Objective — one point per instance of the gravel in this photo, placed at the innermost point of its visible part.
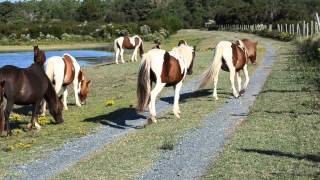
(199, 147)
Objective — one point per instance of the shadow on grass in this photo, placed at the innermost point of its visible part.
(185, 96)
(308, 157)
(117, 118)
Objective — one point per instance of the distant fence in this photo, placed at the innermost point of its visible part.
(303, 28)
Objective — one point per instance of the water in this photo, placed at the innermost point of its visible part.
(84, 57)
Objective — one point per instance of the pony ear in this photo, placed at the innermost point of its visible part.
(256, 42)
(194, 48)
(89, 82)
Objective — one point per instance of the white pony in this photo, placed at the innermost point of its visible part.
(62, 71)
(165, 69)
(231, 57)
(126, 42)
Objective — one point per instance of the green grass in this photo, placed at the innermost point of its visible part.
(118, 82)
(280, 138)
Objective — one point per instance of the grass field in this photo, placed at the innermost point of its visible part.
(280, 139)
(118, 82)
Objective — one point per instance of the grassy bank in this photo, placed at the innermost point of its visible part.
(280, 138)
(117, 82)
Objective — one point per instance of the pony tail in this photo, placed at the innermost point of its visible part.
(144, 84)
(116, 45)
(141, 49)
(208, 75)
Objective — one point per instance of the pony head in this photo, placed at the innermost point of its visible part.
(84, 87)
(56, 111)
(250, 47)
(39, 55)
(182, 42)
(189, 70)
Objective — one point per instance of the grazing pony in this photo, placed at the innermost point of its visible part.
(24, 86)
(62, 71)
(231, 57)
(165, 69)
(126, 42)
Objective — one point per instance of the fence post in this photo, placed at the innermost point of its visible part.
(304, 28)
(318, 20)
(307, 29)
(311, 28)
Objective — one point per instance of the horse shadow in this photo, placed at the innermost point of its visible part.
(195, 94)
(298, 156)
(117, 118)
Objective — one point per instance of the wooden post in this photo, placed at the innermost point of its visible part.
(311, 28)
(318, 21)
(293, 29)
(307, 29)
(304, 29)
(270, 27)
(278, 27)
(289, 28)
(298, 29)
(286, 28)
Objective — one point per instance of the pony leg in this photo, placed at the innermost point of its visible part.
(121, 54)
(215, 83)
(239, 81)
(246, 75)
(117, 55)
(176, 109)
(134, 55)
(65, 94)
(75, 89)
(34, 118)
(232, 76)
(7, 112)
(44, 108)
(152, 104)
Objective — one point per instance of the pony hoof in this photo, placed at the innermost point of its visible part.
(216, 98)
(66, 109)
(177, 115)
(38, 127)
(29, 126)
(152, 120)
(242, 92)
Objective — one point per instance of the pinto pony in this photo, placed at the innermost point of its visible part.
(165, 69)
(63, 71)
(126, 42)
(231, 57)
(24, 86)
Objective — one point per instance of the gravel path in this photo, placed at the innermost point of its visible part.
(199, 147)
(71, 152)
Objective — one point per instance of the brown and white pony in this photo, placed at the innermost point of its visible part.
(63, 71)
(165, 69)
(126, 42)
(231, 57)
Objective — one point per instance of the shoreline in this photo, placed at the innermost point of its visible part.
(56, 47)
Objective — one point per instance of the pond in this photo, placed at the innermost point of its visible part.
(84, 57)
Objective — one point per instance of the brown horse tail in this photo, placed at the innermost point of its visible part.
(141, 49)
(144, 84)
(208, 75)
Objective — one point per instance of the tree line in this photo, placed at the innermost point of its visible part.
(190, 13)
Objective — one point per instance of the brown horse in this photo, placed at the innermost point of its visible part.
(231, 57)
(24, 86)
